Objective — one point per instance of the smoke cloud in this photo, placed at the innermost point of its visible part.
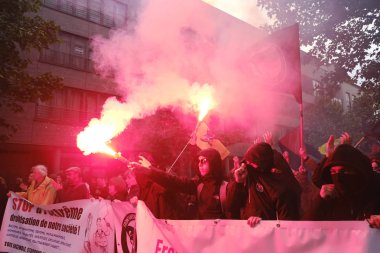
(177, 48)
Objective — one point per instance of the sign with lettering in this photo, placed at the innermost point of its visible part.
(75, 226)
(172, 236)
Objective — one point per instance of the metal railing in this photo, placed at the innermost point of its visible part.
(80, 11)
(62, 115)
(66, 60)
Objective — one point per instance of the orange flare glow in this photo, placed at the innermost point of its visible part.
(203, 100)
(204, 107)
(94, 139)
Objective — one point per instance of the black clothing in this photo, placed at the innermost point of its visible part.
(357, 196)
(271, 192)
(266, 195)
(72, 193)
(161, 202)
(208, 202)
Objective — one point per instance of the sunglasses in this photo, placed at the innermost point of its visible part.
(202, 161)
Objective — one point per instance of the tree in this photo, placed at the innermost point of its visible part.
(321, 119)
(21, 32)
(343, 32)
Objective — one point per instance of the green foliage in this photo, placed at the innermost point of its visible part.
(345, 33)
(341, 31)
(322, 119)
(21, 32)
(327, 117)
(161, 134)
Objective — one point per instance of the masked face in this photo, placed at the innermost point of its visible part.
(347, 182)
(203, 165)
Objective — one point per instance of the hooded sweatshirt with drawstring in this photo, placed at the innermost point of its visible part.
(267, 192)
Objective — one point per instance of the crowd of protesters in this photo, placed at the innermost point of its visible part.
(344, 185)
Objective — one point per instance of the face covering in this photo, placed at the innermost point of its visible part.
(347, 184)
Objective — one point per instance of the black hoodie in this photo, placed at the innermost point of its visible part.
(267, 193)
(356, 198)
(208, 200)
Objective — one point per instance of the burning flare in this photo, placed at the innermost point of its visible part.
(203, 100)
(117, 115)
(94, 138)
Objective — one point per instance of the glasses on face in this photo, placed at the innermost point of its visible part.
(202, 161)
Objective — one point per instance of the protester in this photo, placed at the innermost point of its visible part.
(73, 187)
(58, 182)
(348, 187)
(375, 162)
(3, 197)
(207, 186)
(345, 138)
(117, 189)
(41, 191)
(20, 185)
(133, 190)
(260, 190)
(100, 189)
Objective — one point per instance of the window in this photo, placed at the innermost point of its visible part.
(71, 106)
(94, 10)
(317, 88)
(104, 12)
(348, 100)
(72, 52)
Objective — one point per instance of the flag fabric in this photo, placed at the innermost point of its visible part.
(291, 140)
(323, 147)
(204, 138)
(291, 143)
(274, 62)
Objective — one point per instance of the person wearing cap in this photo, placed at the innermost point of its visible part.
(261, 190)
(73, 187)
(206, 186)
(350, 174)
(41, 191)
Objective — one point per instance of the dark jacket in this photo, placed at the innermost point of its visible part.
(267, 193)
(355, 205)
(157, 198)
(73, 193)
(208, 199)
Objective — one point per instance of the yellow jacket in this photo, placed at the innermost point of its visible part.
(44, 194)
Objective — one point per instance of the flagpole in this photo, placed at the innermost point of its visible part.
(187, 144)
(301, 129)
(193, 134)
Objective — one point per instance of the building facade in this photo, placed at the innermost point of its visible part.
(47, 130)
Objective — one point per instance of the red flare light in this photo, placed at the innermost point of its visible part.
(94, 139)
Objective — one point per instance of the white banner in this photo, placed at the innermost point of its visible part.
(125, 224)
(75, 226)
(169, 236)
(90, 226)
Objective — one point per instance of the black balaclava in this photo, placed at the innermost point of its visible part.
(352, 160)
(262, 155)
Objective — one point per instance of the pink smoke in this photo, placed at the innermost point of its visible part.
(176, 48)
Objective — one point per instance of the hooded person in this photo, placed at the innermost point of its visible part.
(206, 186)
(259, 189)
(350, 173)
